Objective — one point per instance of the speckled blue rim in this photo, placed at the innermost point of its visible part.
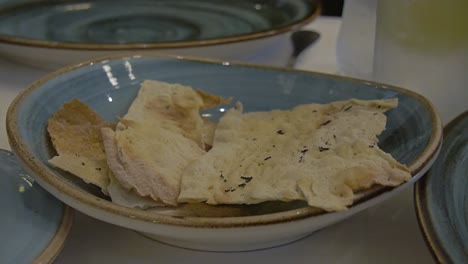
(57, 243)
(42, 253)
(424, 215)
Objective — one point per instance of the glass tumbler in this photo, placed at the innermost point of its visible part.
(422, 45)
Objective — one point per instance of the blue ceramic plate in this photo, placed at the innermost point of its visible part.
(125, 24)
(33, 225)
(412, 136)
(442, 197)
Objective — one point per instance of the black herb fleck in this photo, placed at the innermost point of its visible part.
(371, 146)
(379, 106)
(260, 164)
(98, 169)
(82, 163)
(321, 149)
(233, 189)
(375, 113)
(314, 111)
(242, 185)
(274, 146)
(326, 143)
(221, 176)
(267, 158)
(304, 151)
(280, 132)
(253, 139)
(247, 179)
(347, 108)
(326, 123)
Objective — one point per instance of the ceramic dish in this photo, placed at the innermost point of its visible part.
(412, 136)
(441, 197)
(55, 33)
(34, 225)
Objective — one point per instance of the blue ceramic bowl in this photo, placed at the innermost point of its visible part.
(413, 136)
(441, 197)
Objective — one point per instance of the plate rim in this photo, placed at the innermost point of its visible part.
(21, 41)
(421, 203)
(41, 170)
(57, 241)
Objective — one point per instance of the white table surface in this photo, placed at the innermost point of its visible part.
(388, 233)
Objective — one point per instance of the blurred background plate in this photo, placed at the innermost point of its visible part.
(34, 225)
(50, 34)
(441, 197)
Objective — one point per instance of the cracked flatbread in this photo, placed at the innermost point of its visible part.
(318, 153)
(158, 137)
(75, 132)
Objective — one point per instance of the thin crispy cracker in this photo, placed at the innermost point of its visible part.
(318, 153)
(158, 137)
(75, 132)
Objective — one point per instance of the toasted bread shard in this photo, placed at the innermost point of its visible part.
(174, 106)
(121, 196)
(319, 153)
(158, 137)
(75, 132)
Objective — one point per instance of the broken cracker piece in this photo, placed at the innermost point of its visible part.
(75, 132)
